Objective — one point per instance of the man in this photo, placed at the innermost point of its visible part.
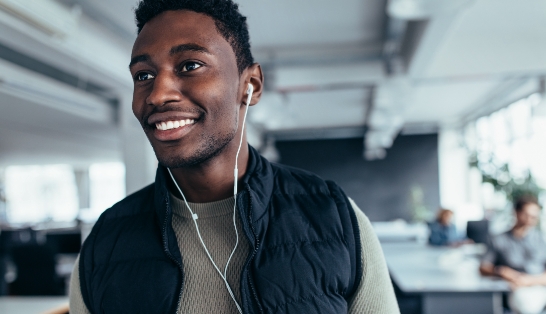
(293, 242)
(519, 257)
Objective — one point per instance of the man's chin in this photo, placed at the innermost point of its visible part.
(174, 156)
(175, 160)
(191, 155)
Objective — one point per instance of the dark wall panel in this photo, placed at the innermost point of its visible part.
(380, 188)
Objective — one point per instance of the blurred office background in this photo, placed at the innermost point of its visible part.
(410, 105)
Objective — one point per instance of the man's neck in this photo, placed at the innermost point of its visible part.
(213, 180)
(520, 231)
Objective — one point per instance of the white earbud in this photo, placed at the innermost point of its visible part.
(250, 89)
(249, 92)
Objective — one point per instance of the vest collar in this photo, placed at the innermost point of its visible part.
(258, 181)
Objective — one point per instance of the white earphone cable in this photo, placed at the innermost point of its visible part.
(194, 216)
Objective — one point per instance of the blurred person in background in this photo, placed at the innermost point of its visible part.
(297, 243)
(519, 257)
(442, 230)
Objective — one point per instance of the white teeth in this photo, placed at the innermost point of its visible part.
(173, 124)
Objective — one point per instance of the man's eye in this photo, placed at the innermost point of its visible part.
(190, 66)
(144, 76)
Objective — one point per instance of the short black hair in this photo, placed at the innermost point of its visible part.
(524, 201)
(231, 24)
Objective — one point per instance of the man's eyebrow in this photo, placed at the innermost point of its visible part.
(188, 47)
(174, 50)
(140, 58)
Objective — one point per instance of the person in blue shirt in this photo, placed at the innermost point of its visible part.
(443, 231)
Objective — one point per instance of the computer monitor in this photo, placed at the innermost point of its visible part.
(65, 242)
(14, 237)
(478, 231)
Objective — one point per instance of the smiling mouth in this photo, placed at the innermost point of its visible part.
(169, 125)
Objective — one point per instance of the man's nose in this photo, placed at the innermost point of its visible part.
(165, 90)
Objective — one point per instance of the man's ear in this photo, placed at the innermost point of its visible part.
(254, 75)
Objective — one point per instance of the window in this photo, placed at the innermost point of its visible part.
(42, 193)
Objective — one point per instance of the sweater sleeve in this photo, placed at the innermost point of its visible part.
(77, 306)
(375, 294)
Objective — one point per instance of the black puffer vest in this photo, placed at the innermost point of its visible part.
(306, 256)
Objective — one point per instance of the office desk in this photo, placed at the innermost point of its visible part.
(30, 305)
(447, 279)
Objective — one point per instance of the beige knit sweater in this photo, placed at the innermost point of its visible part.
(205, 291)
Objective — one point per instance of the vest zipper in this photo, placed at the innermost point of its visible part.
(180, 267)
(256, 247)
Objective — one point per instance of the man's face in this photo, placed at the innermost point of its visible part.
(528, 216)
(187, 92)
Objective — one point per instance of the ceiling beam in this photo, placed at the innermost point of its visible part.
(26, 85)
(38, 66)
(312, 77)
(71, 54)
(317, 55)
(317, 134)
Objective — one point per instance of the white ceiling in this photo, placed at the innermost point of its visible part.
(323, 59)
(287, 23)
(467, 57)
(272, 23)
(442, 102)
(494, 37)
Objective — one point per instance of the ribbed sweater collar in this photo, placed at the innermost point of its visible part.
(203, 210)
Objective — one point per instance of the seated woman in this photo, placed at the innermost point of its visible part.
(443, 231)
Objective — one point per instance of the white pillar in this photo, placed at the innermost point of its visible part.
(138, 156)
(3, 205)
(83, 186)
